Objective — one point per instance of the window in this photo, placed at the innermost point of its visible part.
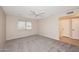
(28, 25)
(24, 25)
(21, 24)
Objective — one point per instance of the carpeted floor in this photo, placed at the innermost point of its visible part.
(37, 43)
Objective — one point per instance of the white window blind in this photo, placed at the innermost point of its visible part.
(24, 25)
(28, 25)
(21, 24)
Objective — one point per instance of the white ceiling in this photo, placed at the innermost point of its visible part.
(25, 11)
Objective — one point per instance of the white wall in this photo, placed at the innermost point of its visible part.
(49, 27)
(12, 32)
(2, 27)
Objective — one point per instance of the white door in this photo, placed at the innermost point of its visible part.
(65, 28)
(75, 28)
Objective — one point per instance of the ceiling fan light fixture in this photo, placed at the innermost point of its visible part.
(37, 13)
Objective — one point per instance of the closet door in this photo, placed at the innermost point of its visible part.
(65, 27)
(75, 28)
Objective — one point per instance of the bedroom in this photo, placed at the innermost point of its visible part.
(37, 29)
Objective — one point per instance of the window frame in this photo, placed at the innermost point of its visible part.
(25, 26)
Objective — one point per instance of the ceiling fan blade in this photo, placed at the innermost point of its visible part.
(36, 15)
(41, 13)
(33, 12)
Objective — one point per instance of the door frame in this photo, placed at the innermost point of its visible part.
(66, 39)
(74, 15)
(60, 32)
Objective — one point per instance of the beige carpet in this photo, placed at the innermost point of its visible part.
(37, 43)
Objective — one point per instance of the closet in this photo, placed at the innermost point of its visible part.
(69, 29)
(75, 28)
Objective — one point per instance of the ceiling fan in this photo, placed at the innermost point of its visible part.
(37, 14)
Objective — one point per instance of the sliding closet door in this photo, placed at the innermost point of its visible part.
(65, 26)
(75, 28)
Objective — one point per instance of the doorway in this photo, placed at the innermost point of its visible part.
(69, 30)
